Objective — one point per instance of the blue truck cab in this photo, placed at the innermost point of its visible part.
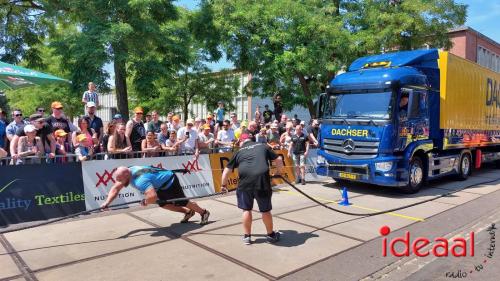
(380, 124)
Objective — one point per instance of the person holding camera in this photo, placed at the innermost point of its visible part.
(188, 136)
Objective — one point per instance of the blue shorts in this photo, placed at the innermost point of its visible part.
(263, 198)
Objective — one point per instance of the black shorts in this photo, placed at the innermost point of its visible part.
(263, 198)
(174, 192)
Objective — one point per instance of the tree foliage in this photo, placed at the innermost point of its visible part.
(296, 47)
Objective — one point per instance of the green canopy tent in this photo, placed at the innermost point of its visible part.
(16, 77)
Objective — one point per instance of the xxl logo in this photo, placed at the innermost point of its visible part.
(105, 177)
(191, 166)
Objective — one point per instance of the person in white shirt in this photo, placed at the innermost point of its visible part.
(189, 137)
(225, 137)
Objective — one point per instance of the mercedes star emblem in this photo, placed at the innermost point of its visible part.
(348, 145)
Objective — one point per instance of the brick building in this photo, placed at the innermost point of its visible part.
(473, 45)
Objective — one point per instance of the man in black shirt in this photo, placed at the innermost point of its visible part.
(268, 114)
(298, 150)
(252, 161)
(95, 123)
(58, 121)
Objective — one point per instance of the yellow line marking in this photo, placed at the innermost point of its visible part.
(355, 206)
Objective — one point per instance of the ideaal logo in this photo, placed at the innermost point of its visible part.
(440, 247)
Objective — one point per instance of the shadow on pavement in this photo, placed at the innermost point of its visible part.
(289, 238)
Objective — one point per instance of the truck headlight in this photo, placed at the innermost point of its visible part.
(383, 166)
(320, 160)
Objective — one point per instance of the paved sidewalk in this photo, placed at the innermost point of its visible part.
(151, 244)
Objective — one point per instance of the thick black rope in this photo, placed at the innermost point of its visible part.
(385, 211)
(225, 192)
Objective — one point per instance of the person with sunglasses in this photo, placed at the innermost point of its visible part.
(135, 130)
(16, 124)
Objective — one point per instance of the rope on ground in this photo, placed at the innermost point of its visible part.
(385, 211)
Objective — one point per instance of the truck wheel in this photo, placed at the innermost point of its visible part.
(465, 167)
(415, 176)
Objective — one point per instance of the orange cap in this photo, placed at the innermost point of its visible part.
(60, 133)
(206, 126)
(138, 110)
(81, 137)
(57, 105)
(175, 118)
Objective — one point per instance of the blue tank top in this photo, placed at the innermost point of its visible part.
(145, 177)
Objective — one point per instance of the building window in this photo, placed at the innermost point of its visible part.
(488, 59)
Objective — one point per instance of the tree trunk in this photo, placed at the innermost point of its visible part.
(120, 68)
(307, 94)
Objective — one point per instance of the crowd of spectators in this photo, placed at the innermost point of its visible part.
(54, 138)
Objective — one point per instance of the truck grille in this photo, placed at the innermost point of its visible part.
(351, 149)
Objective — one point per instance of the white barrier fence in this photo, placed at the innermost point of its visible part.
(98, 177)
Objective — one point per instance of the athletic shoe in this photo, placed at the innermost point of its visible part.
(303, 182)
(273, 237)
(247, 240)
(187, 216)
(204, 217)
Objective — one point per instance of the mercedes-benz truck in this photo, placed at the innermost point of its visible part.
(400, 119)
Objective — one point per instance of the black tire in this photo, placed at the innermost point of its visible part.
(341, 181)
(465, 166)
(497, 164)
(416, 176)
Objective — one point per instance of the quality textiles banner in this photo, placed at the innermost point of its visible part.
(98, 177)
(40, 192)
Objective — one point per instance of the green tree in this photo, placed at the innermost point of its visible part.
(296, 50)
(192, 82)
(122, 32)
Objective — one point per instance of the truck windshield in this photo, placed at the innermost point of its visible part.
(358, 105)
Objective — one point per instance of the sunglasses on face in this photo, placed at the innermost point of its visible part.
(41, 110)
(18, 115)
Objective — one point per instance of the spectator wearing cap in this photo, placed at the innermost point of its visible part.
(90, 95)
(235, 124)
(82, 151)
(16, 124)
(43, 131)
(267, 114)
(29, 145)
(220, 112)
(62, 147)
(225, 137)
(211, 123)
(198, 125)
(273, 137)
(58, 121)
(155, 123)
(119, 143)
(176, 123)
(206, 139)
(118, 118)
(243, 127)
(135, 129)
(189, 138)
(96, 124)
